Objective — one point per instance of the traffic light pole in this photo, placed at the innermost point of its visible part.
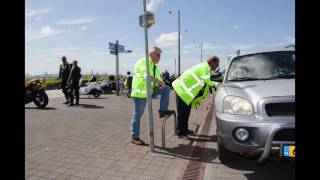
(149, 98)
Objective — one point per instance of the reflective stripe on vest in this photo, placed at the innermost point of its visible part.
(140, 91)
(189, 90)
(139, 75)
(186, 89)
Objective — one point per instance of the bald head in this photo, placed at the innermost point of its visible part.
(155, 54)
(213, 62)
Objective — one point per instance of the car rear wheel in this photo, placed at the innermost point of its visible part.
(224, 154)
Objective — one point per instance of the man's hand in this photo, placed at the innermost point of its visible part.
(160, 83)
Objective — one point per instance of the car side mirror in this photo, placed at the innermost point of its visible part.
(217, 77)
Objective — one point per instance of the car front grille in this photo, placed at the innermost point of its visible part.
(278, 109)
(285, 135)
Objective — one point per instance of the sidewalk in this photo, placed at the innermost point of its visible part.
(93, 142)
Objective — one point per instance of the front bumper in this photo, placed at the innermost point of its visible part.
(262, 131)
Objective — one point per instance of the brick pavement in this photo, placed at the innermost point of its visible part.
(92, 141)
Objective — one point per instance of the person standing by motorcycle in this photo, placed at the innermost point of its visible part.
(73, 83)
(128, 83)
(64, 73)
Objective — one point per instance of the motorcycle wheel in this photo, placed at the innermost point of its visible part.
(41, 100)
(96, 94)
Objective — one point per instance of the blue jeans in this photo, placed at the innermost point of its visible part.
(139, 106)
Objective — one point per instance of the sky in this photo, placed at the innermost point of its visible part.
(82, 29)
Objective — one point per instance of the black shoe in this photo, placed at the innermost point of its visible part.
(189, 132)
(137, 141)
(166, 113)
(70, 105)
(181, 135)
(67, 102)
(77, 103)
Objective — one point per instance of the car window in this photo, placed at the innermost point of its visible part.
(262, 66)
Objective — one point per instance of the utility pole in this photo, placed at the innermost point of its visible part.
(201, 51)
(178, 42)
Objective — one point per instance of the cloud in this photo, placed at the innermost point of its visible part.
(84, 28)
(234, 27)
(153, 4)
(166, 40)
(44, 32)
(37, 12)
(81, 20)
(38, 18)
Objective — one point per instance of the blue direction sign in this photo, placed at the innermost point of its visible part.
(114, 52)
(112, 46)
(120, 48)
(116, 48)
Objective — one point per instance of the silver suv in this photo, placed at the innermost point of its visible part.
(255, 106)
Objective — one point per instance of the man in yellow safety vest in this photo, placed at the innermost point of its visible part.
(139, 92)
(191, 89)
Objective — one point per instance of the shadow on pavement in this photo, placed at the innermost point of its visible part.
(89, 106)
(269, 170)
(47, 108)
(93, 98)
(196, 153)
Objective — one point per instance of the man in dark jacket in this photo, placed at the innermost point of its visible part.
(73, 83)
(64, 73)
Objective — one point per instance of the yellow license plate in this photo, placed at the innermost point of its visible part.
(289, 150)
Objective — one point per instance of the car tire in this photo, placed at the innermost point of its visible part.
(224, 154)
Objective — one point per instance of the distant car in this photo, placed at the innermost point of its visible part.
(255, 106)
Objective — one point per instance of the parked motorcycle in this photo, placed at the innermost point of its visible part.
(35, 92)
(92, 88)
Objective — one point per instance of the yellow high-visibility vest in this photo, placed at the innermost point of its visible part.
(188, 85)
(139, 80)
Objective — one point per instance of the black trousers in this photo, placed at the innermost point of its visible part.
(74, 90)
(65, 89)
(183, 111)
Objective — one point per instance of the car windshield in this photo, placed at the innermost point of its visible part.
(262, 66)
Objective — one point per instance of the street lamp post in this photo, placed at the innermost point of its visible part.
(201, 51)
(178, 40)
(175, 66)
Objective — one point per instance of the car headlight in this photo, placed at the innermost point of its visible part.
(237, 105)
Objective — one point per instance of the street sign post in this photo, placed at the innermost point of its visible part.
(115, 49)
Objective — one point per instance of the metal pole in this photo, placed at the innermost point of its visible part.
(149, 98)
(201, 51)
(175, 66)
(117, 69)
(178, 42)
